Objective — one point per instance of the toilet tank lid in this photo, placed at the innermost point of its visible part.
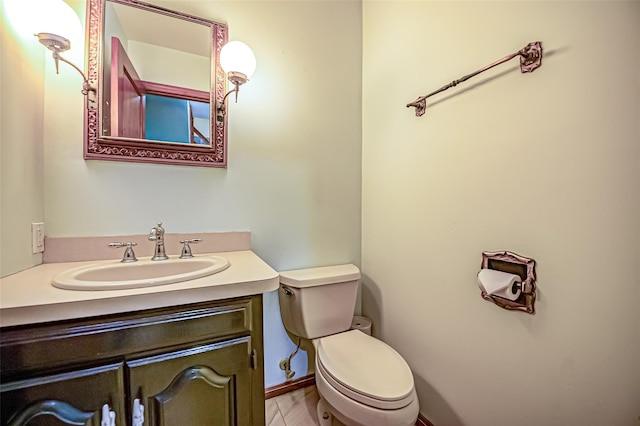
(310, 277)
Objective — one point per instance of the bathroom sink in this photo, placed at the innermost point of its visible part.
(115, 275)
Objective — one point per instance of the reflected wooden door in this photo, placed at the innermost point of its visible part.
(127, 95)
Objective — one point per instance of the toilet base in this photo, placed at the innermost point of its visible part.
(326, 417)
(353, 413)
(323, 412)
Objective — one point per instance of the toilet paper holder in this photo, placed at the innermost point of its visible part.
(512, 263)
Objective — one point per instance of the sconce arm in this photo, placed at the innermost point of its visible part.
(222, 106)
(235, 90)
(237, 79)
(86, 86)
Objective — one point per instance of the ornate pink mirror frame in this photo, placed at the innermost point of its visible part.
(97, 147)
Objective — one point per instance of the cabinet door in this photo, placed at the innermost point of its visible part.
(75, 398)
(208, 385)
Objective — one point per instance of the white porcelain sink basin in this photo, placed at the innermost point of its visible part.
(115, 275)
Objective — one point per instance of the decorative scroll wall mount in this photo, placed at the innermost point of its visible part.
(530, 60)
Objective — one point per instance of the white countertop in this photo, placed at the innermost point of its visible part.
(28, 297)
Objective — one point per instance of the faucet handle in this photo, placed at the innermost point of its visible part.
(186, 250)
(129, 255)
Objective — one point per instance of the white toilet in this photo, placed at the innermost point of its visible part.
(361, 380)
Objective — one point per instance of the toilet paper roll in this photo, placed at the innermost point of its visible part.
(361, 323)
(499, 283)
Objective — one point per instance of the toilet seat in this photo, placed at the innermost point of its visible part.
(365, 369)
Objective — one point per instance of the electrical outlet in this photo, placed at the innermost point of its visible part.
(37, 237)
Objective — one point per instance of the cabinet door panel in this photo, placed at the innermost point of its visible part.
(207, 385)
(74, 398)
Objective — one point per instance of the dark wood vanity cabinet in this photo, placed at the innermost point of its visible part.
(191, 365)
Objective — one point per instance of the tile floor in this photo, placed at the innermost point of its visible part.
(297, 408)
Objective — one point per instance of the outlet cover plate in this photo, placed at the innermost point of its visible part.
(37, 237)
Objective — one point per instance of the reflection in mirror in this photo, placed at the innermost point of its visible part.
(176, 120)
(158, 75)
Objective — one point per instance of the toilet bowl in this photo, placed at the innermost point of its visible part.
(361, 380)
(364, 381)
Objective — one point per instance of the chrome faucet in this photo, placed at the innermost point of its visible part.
(157, 234)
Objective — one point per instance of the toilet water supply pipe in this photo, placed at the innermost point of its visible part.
(288, 373)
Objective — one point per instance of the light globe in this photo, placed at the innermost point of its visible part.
(237, 57)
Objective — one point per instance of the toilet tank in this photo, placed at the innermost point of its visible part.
(317, 302)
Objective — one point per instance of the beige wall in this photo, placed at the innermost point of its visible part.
(546, 165)
(21, 150)
(294, 153)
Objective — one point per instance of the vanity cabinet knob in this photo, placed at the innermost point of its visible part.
(129, 255)
(186, 249)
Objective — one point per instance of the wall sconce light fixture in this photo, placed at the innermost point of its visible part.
(239, 63)
(58, 44)
(46, 19)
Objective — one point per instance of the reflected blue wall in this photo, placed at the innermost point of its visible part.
(166, 119)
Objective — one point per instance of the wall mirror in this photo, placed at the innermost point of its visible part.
(158, 80)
